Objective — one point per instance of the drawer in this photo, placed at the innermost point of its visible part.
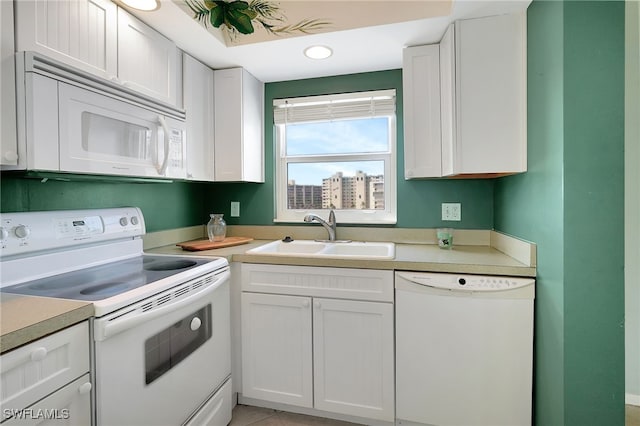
(338, 283)
(33, 371)
(216, 411)
(69, 406)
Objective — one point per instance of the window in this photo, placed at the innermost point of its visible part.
(336, 152)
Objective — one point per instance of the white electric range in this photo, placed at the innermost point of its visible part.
(161, 332)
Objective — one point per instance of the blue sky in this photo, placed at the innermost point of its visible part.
(336, 137)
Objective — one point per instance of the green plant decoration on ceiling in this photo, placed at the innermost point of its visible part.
(239, 16)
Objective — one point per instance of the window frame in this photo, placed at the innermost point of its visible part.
(388, 215)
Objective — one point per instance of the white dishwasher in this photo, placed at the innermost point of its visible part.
(464, 349)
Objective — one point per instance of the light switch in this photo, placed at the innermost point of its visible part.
(235, 209)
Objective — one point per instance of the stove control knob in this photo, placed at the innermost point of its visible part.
(4, 234)
(134, 220)
(124, 221)
(22, 231)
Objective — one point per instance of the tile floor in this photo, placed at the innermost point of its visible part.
(244, 415)
(632, 415)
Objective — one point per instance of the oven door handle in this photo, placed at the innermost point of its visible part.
(107, 328)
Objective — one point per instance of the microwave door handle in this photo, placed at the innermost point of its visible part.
(162, 169)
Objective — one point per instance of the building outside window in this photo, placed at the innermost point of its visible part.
(336, 152)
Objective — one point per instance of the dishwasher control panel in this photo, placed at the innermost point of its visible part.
(466, 282)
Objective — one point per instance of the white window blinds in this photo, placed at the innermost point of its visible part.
(334, 107)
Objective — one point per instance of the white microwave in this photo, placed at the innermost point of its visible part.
(72, 122)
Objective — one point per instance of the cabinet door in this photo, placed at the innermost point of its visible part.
(239, 141)
(68, 406)
(147, 61)
(491, 95)
(276, 348)
(198, 102)
(421, 91)
(33, 371)
(9, 144)
(353, 358)
(80, 33)
(447, 99)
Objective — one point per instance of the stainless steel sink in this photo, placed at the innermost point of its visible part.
(326, 249)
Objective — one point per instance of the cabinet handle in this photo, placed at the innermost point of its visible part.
(305, 303)
(316, 304)
(85, 388)
(11, 156)
(38, 354)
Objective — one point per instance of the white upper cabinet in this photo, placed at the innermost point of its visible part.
(239, 129)
(98, 37)
(198, 103)
(483, 97)
(8, 138)
(421, 95)
(80, 33)
(147, 61)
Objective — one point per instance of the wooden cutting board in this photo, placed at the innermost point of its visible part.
(198, 245)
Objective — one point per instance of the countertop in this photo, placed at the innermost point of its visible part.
(472, 259)
(27, 318)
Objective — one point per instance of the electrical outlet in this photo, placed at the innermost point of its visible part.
(451, 211)
(235, 209)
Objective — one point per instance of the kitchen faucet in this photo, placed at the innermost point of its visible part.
(329, 226)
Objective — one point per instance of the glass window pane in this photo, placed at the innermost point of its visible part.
(365, 135)
(336, 185)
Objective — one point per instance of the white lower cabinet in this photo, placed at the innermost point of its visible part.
(276, 348)
(47, 381)
(68, 406)
(323, 353)
(352, 350)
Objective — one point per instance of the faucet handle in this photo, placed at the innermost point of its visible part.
(332, 217)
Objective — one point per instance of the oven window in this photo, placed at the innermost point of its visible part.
(173, 344)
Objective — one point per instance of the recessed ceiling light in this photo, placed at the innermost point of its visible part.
(146, 5)
(318, 52)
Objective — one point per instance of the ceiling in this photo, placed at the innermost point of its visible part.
(365, 35)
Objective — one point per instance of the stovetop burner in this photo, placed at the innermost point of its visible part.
(110, 279)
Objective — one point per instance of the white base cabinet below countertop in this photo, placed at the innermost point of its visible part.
(321, 353)
(47, 381)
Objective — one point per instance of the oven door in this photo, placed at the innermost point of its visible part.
(103, 135)
(160, 359)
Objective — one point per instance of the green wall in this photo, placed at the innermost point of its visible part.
(418, 201)
(178, 204)
(571, 204)
(164, 205)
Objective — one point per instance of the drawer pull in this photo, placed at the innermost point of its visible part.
(85, 388)
(38, 354)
